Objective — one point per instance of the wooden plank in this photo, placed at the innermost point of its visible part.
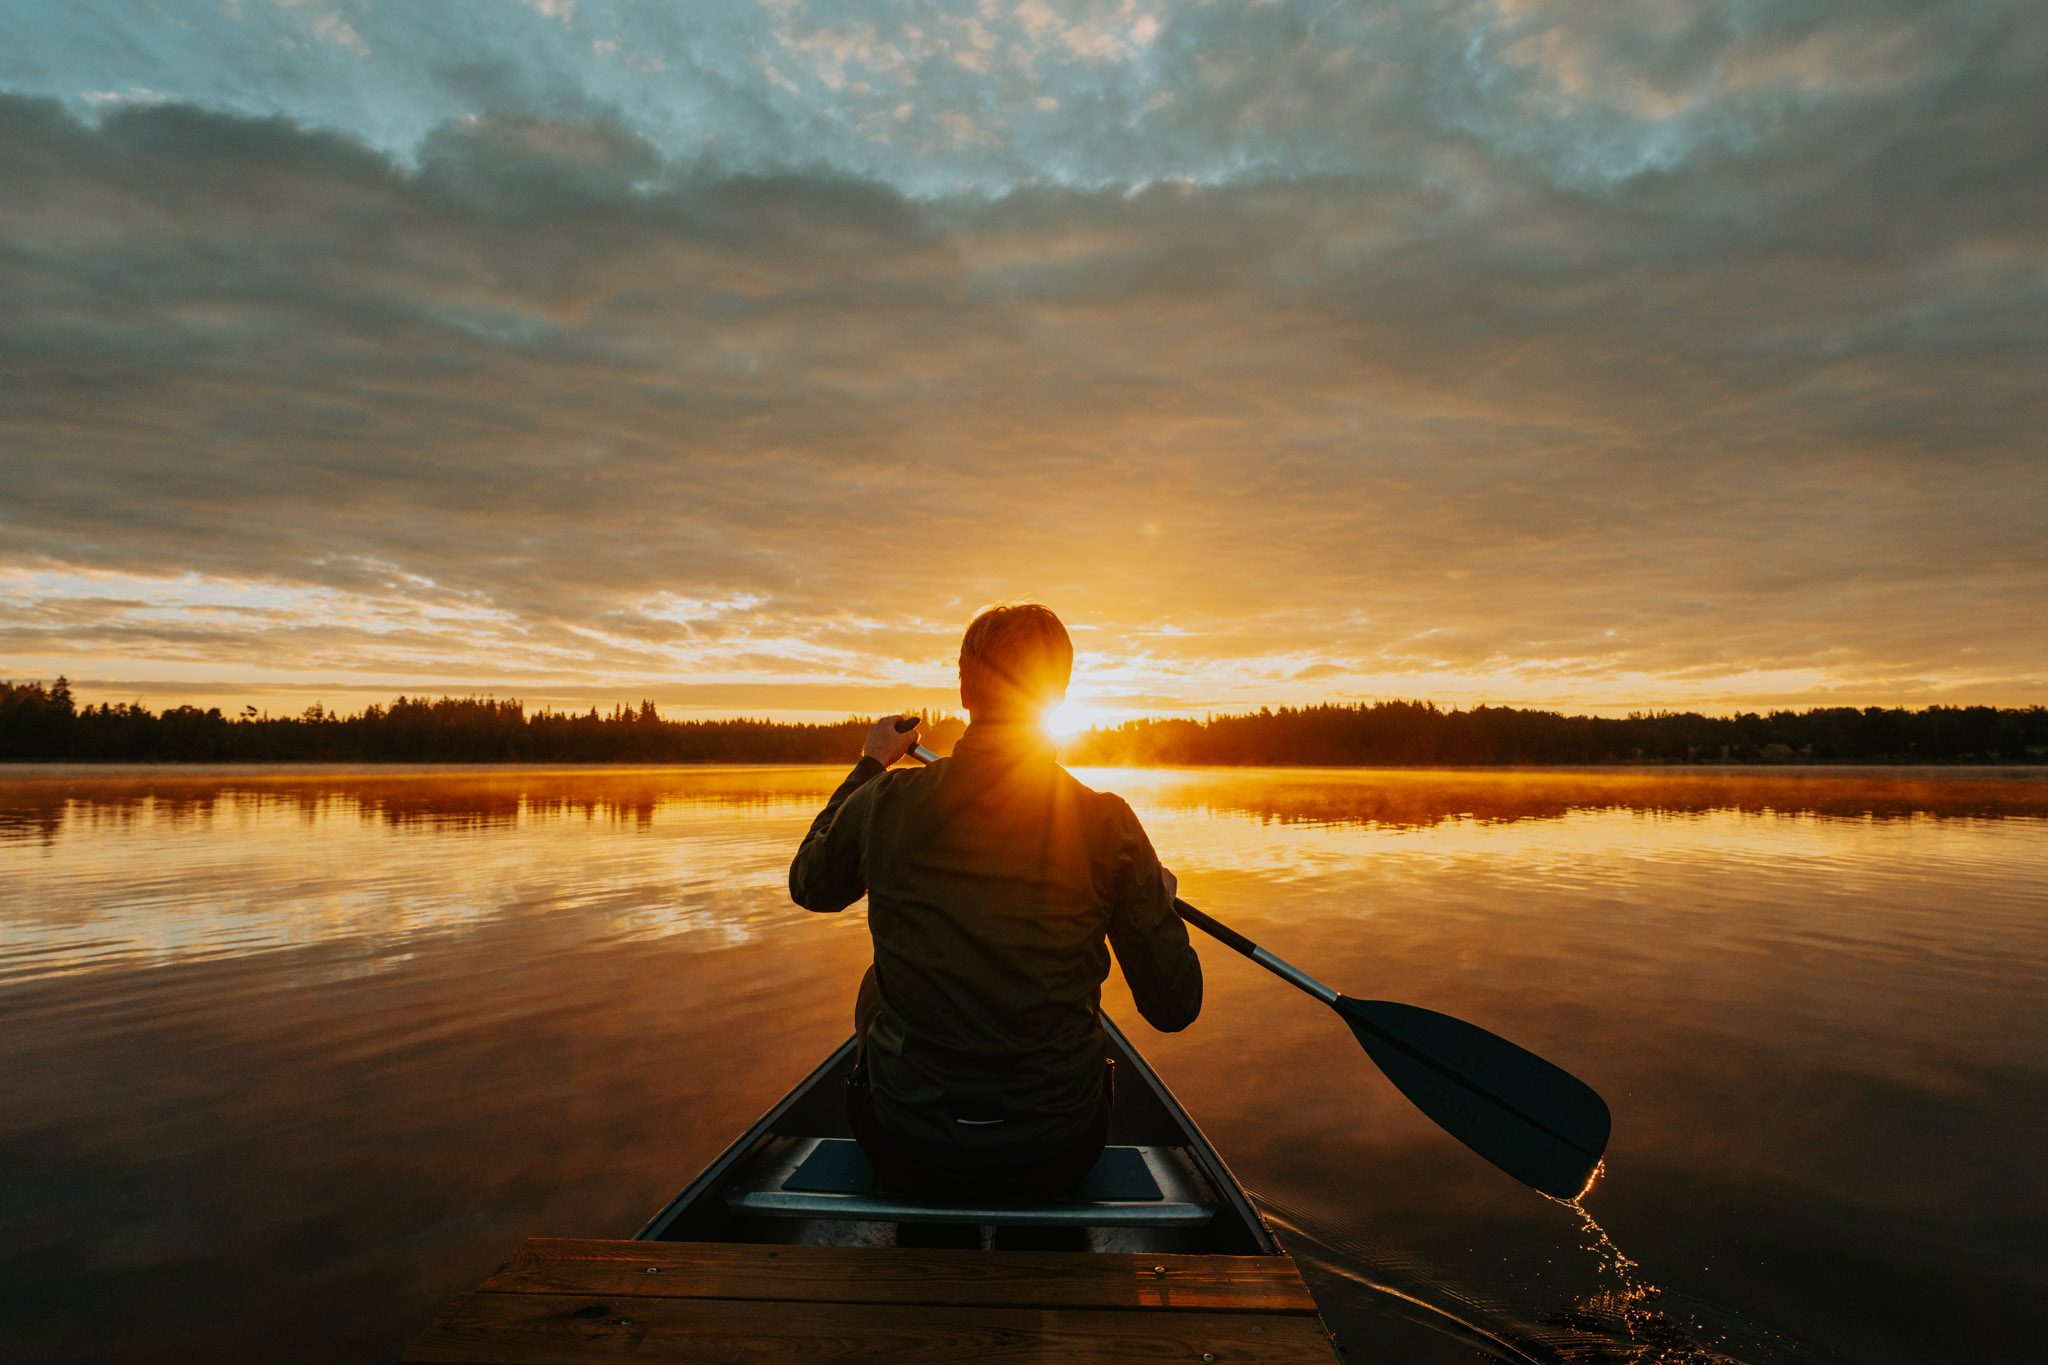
(568, 1329)
(1023, 1279)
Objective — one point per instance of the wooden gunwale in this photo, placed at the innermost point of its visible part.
(558, 1329)
(1041, 1279)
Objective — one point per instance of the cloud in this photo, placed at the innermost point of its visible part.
(1088, 93)
(1592, 360)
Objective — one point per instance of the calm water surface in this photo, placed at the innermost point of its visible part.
(293, 1057)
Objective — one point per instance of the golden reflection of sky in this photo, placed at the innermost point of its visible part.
(110, 873)
(156, 868)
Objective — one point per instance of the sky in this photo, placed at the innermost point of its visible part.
(730, 353)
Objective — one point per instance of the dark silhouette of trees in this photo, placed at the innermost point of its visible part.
(46, 723)
(1399, 733)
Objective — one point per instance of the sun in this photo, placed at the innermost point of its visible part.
(1064, 720)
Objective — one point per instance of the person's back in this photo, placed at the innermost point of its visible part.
(996, 883)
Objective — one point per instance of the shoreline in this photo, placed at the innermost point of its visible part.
(37, 768)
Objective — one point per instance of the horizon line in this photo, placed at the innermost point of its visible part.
(826, 717)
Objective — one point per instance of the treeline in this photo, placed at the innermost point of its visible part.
(47, 723)
(1418, 733)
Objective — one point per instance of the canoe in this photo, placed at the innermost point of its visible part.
(797, 1176)
(784, 1248)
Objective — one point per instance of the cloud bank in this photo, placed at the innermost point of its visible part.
(1515, 353)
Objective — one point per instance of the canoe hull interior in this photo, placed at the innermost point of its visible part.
(1191, 1205)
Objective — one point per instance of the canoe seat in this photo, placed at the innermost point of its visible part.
(830, 1178)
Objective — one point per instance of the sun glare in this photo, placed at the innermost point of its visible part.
(1066, 719)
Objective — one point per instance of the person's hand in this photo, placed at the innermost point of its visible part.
(887, 744)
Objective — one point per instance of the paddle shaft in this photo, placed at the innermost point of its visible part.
(1230, 938)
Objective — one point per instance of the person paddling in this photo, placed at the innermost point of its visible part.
(997, 884)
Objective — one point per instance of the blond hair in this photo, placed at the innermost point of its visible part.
(1015, 657)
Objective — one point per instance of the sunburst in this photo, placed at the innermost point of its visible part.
(1066, 719)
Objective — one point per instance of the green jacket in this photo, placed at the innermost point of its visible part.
(996, 886)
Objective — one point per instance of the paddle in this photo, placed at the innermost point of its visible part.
(1536, 1121)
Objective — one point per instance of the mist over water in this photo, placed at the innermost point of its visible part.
(293, 1057)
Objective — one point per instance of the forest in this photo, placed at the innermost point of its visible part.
(1411, 733)
(47, 724)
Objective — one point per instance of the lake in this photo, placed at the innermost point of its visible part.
(295, 1056)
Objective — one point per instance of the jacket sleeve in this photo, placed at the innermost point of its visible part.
(826, 873)
(1151, 943)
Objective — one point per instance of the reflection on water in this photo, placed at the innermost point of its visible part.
(306, 1052)
(181, 867)
(1425, 798)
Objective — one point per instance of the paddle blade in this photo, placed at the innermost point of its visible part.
(1539, 1123)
